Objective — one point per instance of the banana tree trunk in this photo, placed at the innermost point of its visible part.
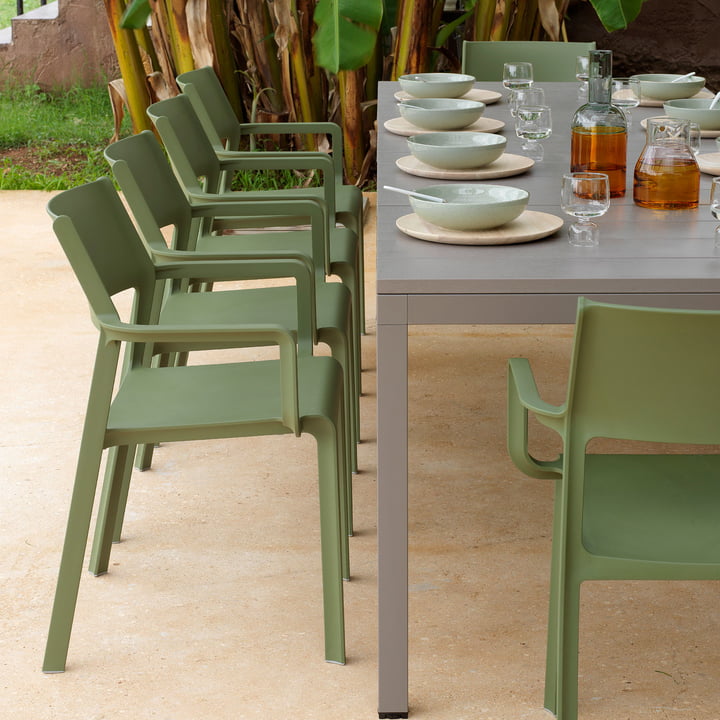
(413, 37)
(351, 85)
(131, 66)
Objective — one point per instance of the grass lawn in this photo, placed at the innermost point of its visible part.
(8, 10)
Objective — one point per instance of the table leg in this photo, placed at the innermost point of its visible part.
(392, 437)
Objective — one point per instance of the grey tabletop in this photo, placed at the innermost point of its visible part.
(661, 258)
(640, 250)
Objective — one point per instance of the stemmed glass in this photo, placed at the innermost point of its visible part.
(582, 73)
(533, 123)
(626, 95)
(526, 96)
(517, 75)
(715, 207)
(584, 195)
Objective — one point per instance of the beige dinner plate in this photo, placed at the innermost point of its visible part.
(477, 94)
(709, 163)
(703, 133)
(400, 126)
(531, 225)
(505, 166)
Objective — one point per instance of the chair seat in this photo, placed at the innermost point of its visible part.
(343, 243)
(259, 305)
(669, 493)
(166, 404)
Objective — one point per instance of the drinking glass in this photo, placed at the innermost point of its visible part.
(582, 73)
(694, 137)
(715, 206)
(626, 95)
(533, 123)
(584, 195)
(517, 75)
(526, 96)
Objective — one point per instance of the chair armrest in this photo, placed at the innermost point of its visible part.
(213, 269)
(290, 212)
(523, 397)
(181, 338)
(302, 128)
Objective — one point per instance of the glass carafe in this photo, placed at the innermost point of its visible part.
(667, 176)
(599, 129)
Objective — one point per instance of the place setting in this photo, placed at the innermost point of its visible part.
(437, 102)
(440, 84)
(461, 156)
(474, 214)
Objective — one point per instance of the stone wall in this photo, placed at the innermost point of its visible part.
(58, 46)
(669, 36)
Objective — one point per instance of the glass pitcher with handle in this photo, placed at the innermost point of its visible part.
(667, 176)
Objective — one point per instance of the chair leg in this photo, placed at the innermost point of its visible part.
(343, 353)
(111, 511)
(350, 280)
(567, 659)
(76, 536)
(331, 539)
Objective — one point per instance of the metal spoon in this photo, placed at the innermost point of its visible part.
(683, 77)
(420, 196)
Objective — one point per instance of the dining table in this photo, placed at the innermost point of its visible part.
(661, 258)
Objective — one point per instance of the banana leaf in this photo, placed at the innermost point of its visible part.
(136, 15)
(617, 14)
(346, 32)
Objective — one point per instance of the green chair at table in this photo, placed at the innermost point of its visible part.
(157, 201)
(637, 374)
(200, 171)
(551, 61)
(295, 394)
(226, 133)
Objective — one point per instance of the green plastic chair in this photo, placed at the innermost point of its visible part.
(226, 134)
(200, 171)
(157, 201)
(297, 393)
(637, 374)
(552, 61)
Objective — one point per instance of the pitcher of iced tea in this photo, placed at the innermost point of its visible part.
(667, 176)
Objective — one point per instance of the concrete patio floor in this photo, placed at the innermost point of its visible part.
(211, 608)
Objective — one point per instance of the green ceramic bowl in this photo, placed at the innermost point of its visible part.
(662, 87)
(696, 109)
(436, 85)
(470, 207)
(441, 113)
(457, 150)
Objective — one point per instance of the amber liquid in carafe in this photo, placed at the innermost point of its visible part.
(666, 183)
(601, 149)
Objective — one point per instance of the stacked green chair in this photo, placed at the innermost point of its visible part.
(157, 201)
(637, 374)
(200, 172)
(551, 61)
(227, 134)
(296, 393)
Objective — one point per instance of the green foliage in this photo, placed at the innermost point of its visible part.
(8, 10)
(136, 15)
(60, 137)
(346, 32)
(617, 14)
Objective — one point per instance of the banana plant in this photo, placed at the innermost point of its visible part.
(314, 59)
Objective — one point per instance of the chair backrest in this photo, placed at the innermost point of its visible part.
(552, 61)
(191, 153)
(155, 197)
(645, 374)
(212, 106)
(104, 248)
